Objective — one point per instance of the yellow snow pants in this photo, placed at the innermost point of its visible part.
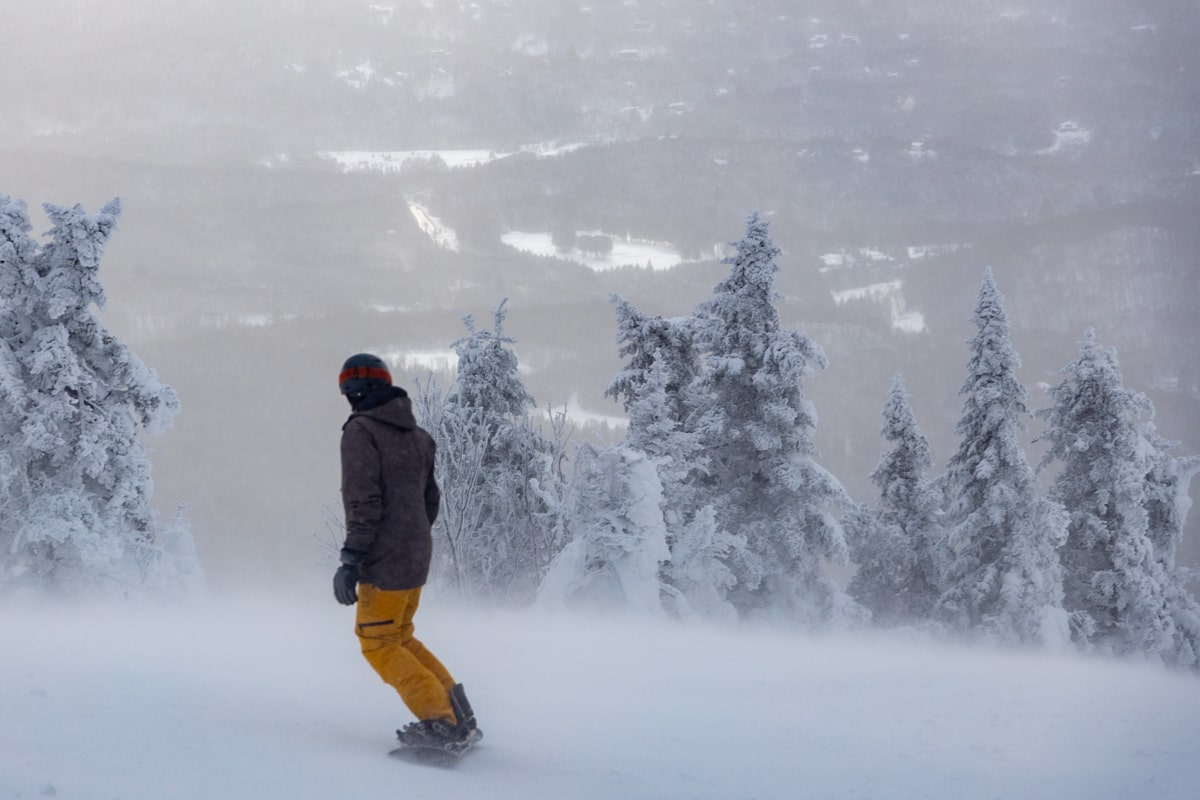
(385, 630)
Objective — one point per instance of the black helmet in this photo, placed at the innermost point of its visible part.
(362, 374)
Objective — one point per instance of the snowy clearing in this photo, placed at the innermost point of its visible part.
(270, 699)
(578, 414)
(910, 322)
(420, 360)
(874, 292)
(891, 294)
(396, 160)
(1068, 135)
(442, 235)
(625, 252)
(144, 327)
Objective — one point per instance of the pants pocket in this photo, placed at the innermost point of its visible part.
(381, 629)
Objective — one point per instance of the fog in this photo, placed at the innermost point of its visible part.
(898, 149)
(254, 697)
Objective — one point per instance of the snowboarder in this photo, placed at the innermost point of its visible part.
(391, 500)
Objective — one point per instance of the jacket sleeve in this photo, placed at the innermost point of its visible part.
(433, 495)
(362, 489)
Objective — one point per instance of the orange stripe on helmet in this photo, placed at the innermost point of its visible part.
(364, 372)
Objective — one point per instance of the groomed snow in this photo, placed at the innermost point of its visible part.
(269, 699)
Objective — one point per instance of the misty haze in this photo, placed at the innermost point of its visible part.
(301, 180)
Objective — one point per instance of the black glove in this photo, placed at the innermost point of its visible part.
(345, 580)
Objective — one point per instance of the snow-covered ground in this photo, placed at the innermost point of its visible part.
(445, 360)
(145, 327)
(396, 160)
(890, 293)
(443, 236)
(625, 252)
(268, 698)
(874, 292)
(909, 322)
(1068, 135)
(578, 414)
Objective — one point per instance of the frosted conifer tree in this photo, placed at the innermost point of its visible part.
(75, 483)
(662, 391)
(517, 526)
(700, 572)
(463, 444)
(620, 536)
(1122, 595)
(1168, 502)
(1167, 505)
(1004, 579)
(763, 479)
(664, 363)
(896, 545)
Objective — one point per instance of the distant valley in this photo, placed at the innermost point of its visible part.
(362, 175)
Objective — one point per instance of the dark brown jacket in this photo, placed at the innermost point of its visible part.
(389, 493)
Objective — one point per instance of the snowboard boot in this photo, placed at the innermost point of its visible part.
(463, 711)
(438, 734)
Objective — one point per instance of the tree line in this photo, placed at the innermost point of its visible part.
(715, 502)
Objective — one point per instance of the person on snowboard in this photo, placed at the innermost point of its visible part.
(391, 500)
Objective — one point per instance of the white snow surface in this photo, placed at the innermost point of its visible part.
(269, 698)
(875, 291)
(626, 252)
(395, 160)
(442, 235)
(577, 413)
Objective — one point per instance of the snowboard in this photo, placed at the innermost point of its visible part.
(435, 756)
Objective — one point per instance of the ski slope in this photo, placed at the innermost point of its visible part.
(268, 698)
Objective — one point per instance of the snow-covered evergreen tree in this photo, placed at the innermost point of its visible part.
(662, 390)
(1168, 501)
(763, 478)
(75, 482)
(1003, 579)
(1122, 595)
(513, 528)
(620, 536)
(1167, 506)
(659, 386)
(664, 361)
(700, 573)
(463, 443)
(896, 545)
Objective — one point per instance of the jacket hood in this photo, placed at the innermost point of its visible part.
(396, 412)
